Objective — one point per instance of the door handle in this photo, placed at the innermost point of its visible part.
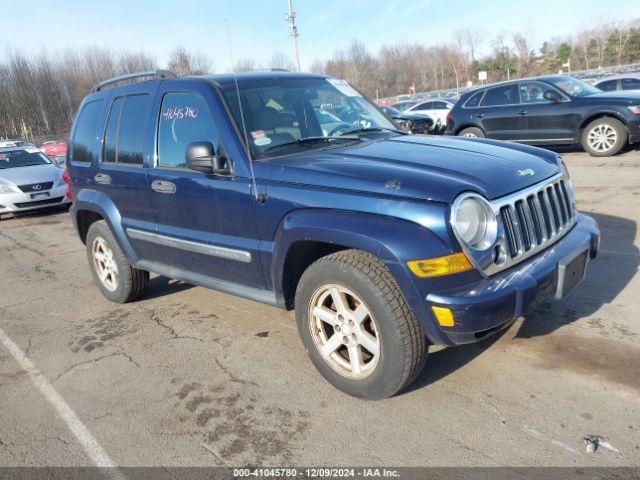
(162, 186)
(103, 179)
(522, 112)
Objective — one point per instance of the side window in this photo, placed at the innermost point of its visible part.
(630, 84)
(425, 106)
(608, 86)
(126, 127)
(184, 118)
(474, 101)
(439, 105)
(506, 95)
(533, 92)
(86, 132)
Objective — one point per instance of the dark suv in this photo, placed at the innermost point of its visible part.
(551, 110)
(383, 242)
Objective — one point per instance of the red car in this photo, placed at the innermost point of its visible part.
(54, 149)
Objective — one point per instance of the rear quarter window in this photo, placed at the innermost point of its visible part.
(86, 132)
(474, 101)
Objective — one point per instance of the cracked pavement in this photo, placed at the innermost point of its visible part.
(192, 377)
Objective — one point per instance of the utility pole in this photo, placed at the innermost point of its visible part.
(290, 18)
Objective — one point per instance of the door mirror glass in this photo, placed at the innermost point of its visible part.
(552, 96)
(201, 157)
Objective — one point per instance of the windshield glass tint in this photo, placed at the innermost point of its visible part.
(280, 111)
(574, 87)
(21, 158)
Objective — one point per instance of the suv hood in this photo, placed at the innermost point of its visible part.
(421, 167)
(32, 174)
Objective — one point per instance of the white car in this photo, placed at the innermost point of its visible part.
(14, 143)
(29, 181)
(436, 109)
(629, 83)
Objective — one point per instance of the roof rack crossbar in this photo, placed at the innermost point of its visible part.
(160, 74)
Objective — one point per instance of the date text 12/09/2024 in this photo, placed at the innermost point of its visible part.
(316, 473)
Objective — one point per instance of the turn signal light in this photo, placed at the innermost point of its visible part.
(443, 315)
(435, 267)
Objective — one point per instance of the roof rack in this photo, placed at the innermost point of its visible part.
(160, 74)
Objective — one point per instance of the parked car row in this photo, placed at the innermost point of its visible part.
(547, 110)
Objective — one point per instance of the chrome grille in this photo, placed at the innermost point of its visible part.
(537, 217)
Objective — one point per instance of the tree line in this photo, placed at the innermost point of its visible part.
(405, 67)
(39, 94)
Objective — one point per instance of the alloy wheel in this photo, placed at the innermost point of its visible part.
(602, 137)
(105, 264)
(344, 331)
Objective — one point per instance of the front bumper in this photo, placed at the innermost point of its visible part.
(491, 304)
(22, 202)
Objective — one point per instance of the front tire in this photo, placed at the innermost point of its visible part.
(604, 137)
(471, 132)
(356, 326)
(116, 278)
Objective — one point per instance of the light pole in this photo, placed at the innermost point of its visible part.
(293, 33)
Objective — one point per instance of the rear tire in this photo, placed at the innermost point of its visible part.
(604, 137)
(367, 343)
(116, 278)
(471, 132)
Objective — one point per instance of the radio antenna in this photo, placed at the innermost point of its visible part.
(242, 120)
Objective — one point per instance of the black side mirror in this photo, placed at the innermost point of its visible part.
(201, 157)
(552, 96)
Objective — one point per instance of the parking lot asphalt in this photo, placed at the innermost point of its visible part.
(192, 377)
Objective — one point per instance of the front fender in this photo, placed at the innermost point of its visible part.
(392, 240)
(101, 204)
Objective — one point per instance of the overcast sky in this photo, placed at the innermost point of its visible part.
(258, 29)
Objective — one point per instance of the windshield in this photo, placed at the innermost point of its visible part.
(280, 112)
(574, 87)
(21, 158)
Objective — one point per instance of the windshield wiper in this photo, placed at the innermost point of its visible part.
(318, 139)
(373, 129)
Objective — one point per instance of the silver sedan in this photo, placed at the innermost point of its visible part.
(29, 181)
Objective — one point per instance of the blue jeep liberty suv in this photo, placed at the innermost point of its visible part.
(294, 190)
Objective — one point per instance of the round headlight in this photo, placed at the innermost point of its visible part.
(474, 221)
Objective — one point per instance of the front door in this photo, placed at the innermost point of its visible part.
(543, 121)
(205, 222)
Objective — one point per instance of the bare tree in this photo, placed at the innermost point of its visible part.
(184, 63)
(245, 65)
(281, 61)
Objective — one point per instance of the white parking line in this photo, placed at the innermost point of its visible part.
(89, 444)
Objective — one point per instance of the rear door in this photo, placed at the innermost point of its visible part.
(122, 173)
(498, 112)
(543, 121)
(205, 222)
